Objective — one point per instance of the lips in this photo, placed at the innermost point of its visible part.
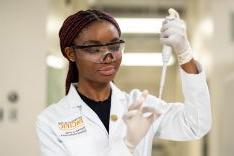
(107, 70)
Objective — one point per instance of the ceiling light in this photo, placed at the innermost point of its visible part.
(207, 27)
(144, 59)
(140, 25)
(55, 62)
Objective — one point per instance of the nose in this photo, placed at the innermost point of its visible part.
(108, 57)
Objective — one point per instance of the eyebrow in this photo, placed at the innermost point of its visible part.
(99, 42)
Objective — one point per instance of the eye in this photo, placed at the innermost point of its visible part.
(92, 50)
(114, 47)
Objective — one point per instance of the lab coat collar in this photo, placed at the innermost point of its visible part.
(117, 108)
(73, 97)
(76, 102)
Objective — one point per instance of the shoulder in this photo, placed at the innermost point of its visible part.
(54, 111)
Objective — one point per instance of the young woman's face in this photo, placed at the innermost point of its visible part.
(100, 32)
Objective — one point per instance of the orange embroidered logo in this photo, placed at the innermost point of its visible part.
(76, 123)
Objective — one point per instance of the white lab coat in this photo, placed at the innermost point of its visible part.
(71, 128)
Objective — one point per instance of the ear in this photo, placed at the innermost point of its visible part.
(70, 53)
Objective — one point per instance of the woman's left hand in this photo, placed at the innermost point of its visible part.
(138, 120)
(173, 34)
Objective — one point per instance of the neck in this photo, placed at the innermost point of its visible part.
(93, 90)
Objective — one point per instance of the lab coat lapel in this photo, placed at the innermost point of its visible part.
(118, 108)
(77, 103)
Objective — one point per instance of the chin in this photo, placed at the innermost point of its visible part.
(105, 79)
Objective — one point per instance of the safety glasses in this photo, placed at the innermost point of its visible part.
(99, 53)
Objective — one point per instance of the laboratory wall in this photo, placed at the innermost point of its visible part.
(23, 48)
(222, 78)
(213, 38)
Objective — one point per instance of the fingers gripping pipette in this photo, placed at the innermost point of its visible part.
(166, 53)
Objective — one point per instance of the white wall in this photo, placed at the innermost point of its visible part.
(222, 80)
(23, 69)
(216, 52)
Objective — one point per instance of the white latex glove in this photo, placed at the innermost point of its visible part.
(173, 33)
(138, 120)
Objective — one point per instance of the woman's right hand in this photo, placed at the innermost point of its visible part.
(138, 120)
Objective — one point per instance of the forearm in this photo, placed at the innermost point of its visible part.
(190, 67)
(191, 119)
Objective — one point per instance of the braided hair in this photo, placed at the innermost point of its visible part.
(70, 29)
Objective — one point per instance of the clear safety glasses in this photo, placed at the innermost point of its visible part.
(101, 53)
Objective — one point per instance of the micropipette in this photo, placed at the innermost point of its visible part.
(166, 54)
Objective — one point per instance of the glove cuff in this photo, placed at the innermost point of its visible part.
(185, 57)
(130, 146)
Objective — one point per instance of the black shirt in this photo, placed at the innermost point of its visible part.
(101, 108)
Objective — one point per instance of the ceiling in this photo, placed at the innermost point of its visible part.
(60, 9)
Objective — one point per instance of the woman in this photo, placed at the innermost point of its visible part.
(95, 118)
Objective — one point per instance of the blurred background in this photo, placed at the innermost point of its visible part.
(32, 69)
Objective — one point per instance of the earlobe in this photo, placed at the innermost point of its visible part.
(70, 54)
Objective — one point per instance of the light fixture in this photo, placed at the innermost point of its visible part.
(207, 27)
(144, 59)
(53, 24)
(140, 25)
(55, 62)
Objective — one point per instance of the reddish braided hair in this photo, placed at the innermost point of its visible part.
(70, 29)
